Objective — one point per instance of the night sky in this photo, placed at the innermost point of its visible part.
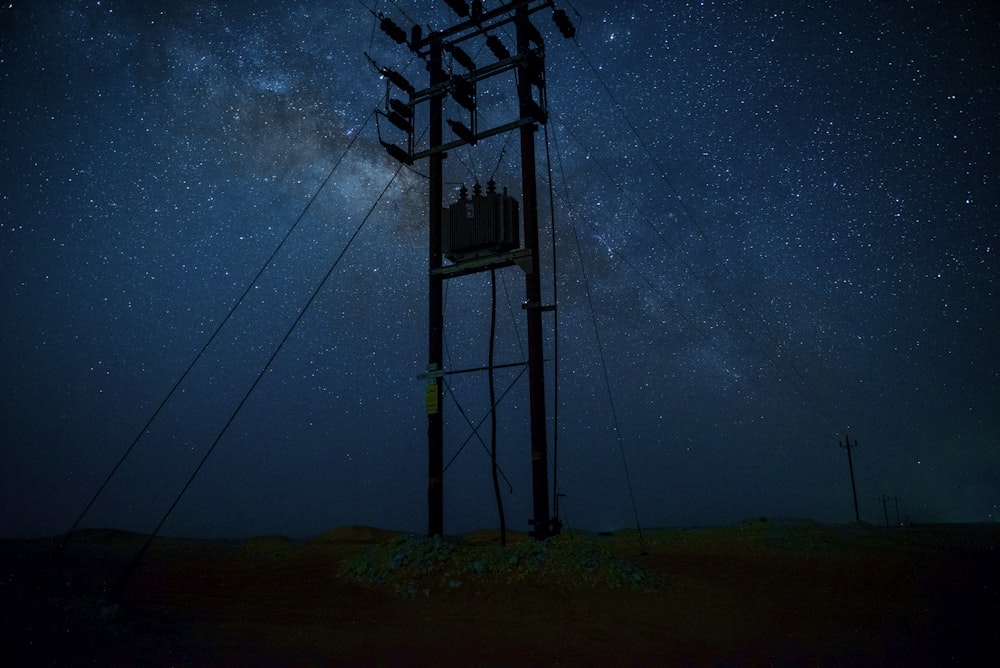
(788, 221)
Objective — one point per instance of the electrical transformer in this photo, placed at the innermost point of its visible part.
(480, 226)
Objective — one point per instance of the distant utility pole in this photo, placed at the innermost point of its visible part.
(885, 508)
(899, 522)
(850, 463)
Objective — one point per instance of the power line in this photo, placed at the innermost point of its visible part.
(607, 381)
(312, 297)
(493, 413)
(555, 328)
(819, 405)
(211, 339)
(723, 306)
(690, 321)
(600, 349)
(374, 13)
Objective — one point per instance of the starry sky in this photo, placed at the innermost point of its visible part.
(781, 221)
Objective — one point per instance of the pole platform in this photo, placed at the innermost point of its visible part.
(521, 257)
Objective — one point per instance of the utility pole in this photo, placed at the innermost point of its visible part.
(899, 522)
(528, 63)
(435, 306)
(850, 463)
(885, 509)
(533, 293)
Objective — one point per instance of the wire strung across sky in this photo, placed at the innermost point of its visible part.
(215, 333)
(267, 365)
(690, 321)
(597, 338)
(779, 349)
(212, 338)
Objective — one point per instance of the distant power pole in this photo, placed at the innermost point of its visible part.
(850, 463)
(899, 522)
(885, 508)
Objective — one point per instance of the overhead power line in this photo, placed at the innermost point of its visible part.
(623, 258)
(239, 301)
(819, 405)
(600, 348)
(260, 376)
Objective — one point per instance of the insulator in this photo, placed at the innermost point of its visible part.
(397, 153)
(460, 7)
(497, 47)
(401, 108)
(390, 28)
(462, 58)
(399, 121)
(562, 22)
(462, 132)
(398, 79)
(464, 101)
(463, 92)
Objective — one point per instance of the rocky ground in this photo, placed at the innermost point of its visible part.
(760, 593)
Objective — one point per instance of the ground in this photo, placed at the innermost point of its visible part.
(760, 593)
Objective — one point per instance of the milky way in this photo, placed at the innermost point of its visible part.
(781, 225)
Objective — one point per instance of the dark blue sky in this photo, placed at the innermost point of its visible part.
(788, 221)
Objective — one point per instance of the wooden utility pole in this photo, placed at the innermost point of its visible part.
(533, 292)
(435, 307)
(885, 508)
(850, 463)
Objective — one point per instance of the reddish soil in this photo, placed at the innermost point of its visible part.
(757, 594)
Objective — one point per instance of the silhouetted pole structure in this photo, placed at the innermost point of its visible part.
(528, 63)
(899, 522)
(885, 508)
(533, 294)
(435, 303)
(850, 463)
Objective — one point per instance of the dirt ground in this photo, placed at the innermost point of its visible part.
(761, 593)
